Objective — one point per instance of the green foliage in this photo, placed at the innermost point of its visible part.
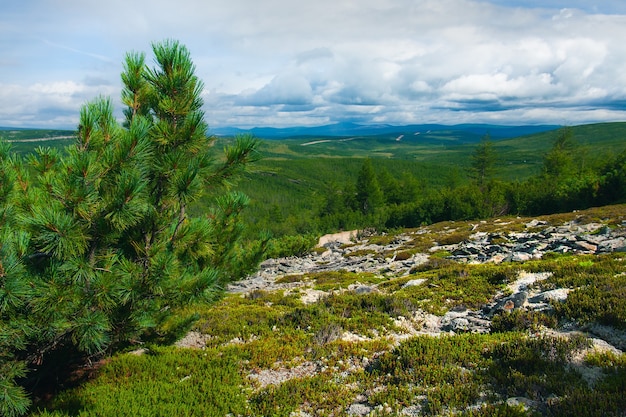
(451, 372)
(448, 285)
(369, 197)
(483, 161)
(164, 381)
(602, 302)
(526, 178)
(98, 244)
(311, 189)
(333, 280)
(521, 320)
(291, 245)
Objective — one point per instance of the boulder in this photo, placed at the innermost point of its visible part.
(552, 295)
(414, 283)
(612, 245)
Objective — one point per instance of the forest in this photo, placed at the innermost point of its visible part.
(376, 182)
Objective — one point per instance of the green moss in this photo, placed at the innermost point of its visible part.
(454, 237)
(287, 279)
(238, 317)
(359, 253)
(598, 286)
(314, 393)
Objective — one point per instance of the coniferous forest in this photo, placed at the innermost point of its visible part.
(570, 168)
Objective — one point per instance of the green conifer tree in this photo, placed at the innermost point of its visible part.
(483, 161)
(100, 246)
(368, 193)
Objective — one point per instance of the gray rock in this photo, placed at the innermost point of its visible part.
(612, 245)
(583, 246)
(414, 283)
(364, 289)
(552, 295)
(460, 324)
(535, 223)
(518, 257)
(512, 302)
(412, 411)
(464, 322)
(300, 414)
(523, 401)
(359, 410)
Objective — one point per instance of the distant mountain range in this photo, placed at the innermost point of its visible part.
(354, 129)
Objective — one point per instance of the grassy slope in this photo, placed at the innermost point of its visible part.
(274, 335)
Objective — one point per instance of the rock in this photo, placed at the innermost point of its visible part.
(612, 245)
(497, 258)
(518, 257)
(311, 296)
(363, 289)
(523, 401)
(414, 283)
(460, 324)
(535, 223)
(526, 279)
(464, 322)
(412, 411)
(194, 340)
(300, 414)
(512, 302)
(341, 238)
(519, 299)
(583, 246)
(359, 410)
(615, 337)
(552, 295)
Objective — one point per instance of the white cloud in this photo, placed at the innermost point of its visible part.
(279, 62)
(289, 89)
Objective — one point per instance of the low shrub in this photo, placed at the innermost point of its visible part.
(291, 246)
(521, 320)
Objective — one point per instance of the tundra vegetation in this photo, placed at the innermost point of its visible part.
(117, 245)
(273, 353)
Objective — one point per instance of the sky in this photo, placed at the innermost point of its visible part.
(283, 63)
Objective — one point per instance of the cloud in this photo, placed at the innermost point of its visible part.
(312, 55)
(281, 63)
(49, 105)
(290, 89)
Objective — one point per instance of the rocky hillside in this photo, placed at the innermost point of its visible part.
(498, 241)
(383, 318)
(506, 317)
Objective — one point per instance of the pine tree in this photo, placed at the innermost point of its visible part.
(559, 161)
(368, 193)
(103, 234)
(483, 161)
